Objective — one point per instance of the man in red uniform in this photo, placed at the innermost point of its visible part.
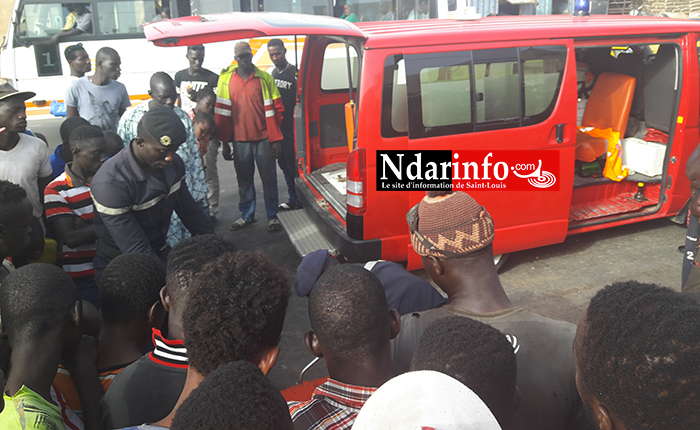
(249, 114)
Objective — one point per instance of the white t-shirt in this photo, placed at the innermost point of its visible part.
(24, 165)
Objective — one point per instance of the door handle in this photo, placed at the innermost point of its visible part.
(559, 136)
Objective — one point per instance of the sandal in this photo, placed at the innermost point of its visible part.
(239, 224)
(274, 225)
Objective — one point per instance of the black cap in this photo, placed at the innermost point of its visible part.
(7, 91)
(163, 125)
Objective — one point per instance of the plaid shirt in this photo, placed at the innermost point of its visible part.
(334, 406)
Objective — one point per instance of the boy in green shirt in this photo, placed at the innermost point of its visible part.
(41, 315)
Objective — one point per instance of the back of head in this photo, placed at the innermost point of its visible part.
(637, 351)
(70, 124)
(477, 355)
(83, 135)
(425, 400)
(11, 196)
(34, 300)
(204, 118)
(451, 225)
(129, 287)
(237, 393)
(114, 143)
(349, 313)
(236, 306)
(187, 259)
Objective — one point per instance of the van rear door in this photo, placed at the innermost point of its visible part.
(192, 30)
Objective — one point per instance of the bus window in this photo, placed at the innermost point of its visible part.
(42, 20)
(125, 17)
(334, 72)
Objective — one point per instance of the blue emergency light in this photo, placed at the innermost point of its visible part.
(582, 7)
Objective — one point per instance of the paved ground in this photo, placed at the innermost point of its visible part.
(556, 281)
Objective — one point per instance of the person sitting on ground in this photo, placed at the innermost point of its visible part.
(235, 311)
(637, 352)
(69, 208)
(81, 25)
(404, 291)
(154, 382)
(41, 315)
(78, 60)
(238, 393)
(15, 221)
(114, 143)
(425, 400)
(453, 234)
(130, 308)
(62, 155)
(478, 356)
(351, 327)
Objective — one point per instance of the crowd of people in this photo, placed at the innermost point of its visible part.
(120, 309)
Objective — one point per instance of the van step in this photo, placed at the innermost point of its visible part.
(303, 233)
(620, 204)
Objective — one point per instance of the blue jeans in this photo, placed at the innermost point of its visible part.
(287, 162)
(245, 156)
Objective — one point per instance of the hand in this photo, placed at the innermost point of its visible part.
(55, 38)
(276, 150)
(226, 151)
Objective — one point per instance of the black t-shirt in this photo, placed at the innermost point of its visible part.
(183, 81)
(287, 85)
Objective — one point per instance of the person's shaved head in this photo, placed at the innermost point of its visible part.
(106, 53)
(163, 90)
(349, 313)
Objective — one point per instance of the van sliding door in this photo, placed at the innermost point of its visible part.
(517, 104)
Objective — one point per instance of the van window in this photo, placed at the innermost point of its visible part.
(334, 72)
(459, 92)
(125, 17)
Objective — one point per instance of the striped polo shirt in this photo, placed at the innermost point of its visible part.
(67, 196)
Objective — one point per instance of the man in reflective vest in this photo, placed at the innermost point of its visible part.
(136, 191)
(249, 114)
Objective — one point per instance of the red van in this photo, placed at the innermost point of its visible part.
(497, 89)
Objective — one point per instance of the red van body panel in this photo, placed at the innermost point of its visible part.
(523, 220)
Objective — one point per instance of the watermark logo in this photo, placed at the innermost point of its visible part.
(536, 170)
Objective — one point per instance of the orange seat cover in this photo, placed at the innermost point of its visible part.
(608, 107)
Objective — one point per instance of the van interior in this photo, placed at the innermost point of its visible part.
(633, 90)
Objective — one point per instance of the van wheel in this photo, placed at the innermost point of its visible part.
(499, 260)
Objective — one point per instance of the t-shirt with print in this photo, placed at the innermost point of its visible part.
(98, 104)
(184, 81)
(27, 410)
(286, 82)
(24, 164)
